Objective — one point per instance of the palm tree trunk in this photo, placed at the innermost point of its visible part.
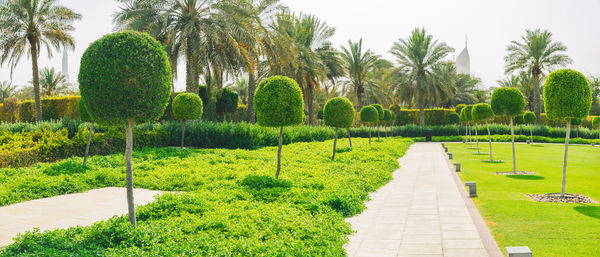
(564, 178)
(422, 116)
(251, 91)
(36, 81)
(129, 171)
(279, 152)
(359, 94)
(334, 143)
(490, 140)
(537, 106)
(477, 138)
(512, 135)
(208, 79)
(182, 133)
(310, 104)
(87, 146)
(190, 71)
(349, 137)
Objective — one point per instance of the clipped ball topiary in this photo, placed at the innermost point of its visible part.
(509, 102)
(125, 77)
(369, 115)
(454, 118)
(339, 113)
(466, 114)
(596, 124)
(483, 112)
(459, 108)
(227, 102)
(380, 111)
(278, 102)
(186, 106)
(84, 115)
(529, 117)
(388, 115)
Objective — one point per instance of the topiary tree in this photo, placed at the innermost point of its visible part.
(596, 124)
(278, 103)
(338, 113)
(567, 96)
(530, 119)
(369, 115)
(388, 117)
(508, 102)
(381, 115)
(125, 77)
(227, 102)
(465, 116)
(85, 116)
(186, 106)
(454, 118)
(483, 113)
(459, 108)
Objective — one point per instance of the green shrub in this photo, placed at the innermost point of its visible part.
(379, 111)
(388, 115)
(466, 114)
(227, 102)
(567, 94)
(529, 118)
(596, 122)
(454, 118)
(338, 112)
(320, 114)
(55, 108)
(459, 108)
(482, 112)
(278, 102)
(125, 75)
(187, 106)
(395, 108)
(369, 114)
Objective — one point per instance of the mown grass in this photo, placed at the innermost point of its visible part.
(549, 229)
(228, 204)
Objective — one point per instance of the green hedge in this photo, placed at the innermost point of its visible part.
(506, 139)
(433, 117)
(53, 108)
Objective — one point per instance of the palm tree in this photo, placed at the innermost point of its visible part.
(417, 55)
(52, 82)
(536, 54)
(524, 82)
(26, 26)
(7, 90)
(358, 65)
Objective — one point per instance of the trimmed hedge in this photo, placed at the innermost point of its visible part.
(433, 117)
(53, 108)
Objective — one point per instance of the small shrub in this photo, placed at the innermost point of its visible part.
(227, 102)
(454, 118)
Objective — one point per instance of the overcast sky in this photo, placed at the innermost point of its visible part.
(489, 25)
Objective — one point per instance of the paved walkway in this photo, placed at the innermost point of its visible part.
(65, 211)
(421, 212)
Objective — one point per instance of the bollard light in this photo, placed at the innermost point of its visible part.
(472, 188)
(457, 167)
(518, 251)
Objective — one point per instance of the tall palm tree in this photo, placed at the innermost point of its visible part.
(417, 55)
(26, 26)
(358, 65)
(535, 54)
(52, 82)
(7, 90)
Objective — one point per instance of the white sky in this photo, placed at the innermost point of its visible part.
(490, 26)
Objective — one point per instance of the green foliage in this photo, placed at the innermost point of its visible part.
(187, 106)
(320, 114)
(379, 111)
(482, 112)
(567, 95)
(395, 108)
(596, 122)
(227, 101)
(529, 118)
(388, 115)
(507, 101)
(454, 118)
(369, 114)
(338, 112)
(278, 102)
(54, 108)
(575, 121)
(460, 107)
(84, 115)
(433, 117)
(125, 75)
(466, 114)
(225, 206)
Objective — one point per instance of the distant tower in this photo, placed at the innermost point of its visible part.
(463, 61)
(65, 64)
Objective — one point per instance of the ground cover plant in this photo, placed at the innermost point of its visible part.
(549, 229)
(229, 205)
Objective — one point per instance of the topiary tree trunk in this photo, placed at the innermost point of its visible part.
(490, 140)
(279, 152)
(531, 134)
(466, 133)
(334, 143)
(349, 137)
(369, 135)
(477, 138)
(129, 171)
(564, 178)
(182, 133)
(378, 129)
(512, 139)
(87, 146)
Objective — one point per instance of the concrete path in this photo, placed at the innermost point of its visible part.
(421, 212)
(82, 209)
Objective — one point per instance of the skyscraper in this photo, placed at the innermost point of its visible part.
(463, 61)
(65, 65)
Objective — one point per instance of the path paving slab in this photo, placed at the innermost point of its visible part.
(64, 211)
(421, 212)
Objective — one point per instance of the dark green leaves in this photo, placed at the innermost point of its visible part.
(278, 102)
(187, 106)
(567, 95)
(338, 112)
(507, 101)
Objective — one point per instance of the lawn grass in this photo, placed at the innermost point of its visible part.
(549, 229)
(228, 202)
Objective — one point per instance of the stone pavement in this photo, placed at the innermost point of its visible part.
(82, 209)
(421, 212)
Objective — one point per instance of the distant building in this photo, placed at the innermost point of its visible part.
(65, 65)
(463, 61)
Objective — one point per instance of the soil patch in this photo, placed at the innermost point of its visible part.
(557, 198)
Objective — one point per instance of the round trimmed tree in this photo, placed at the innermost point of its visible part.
(381, 115)
(278, 103)
(186, 106)
(459, 108)
(567, 96)
(125, 77)
(465, 116)
(227, 102)
(85, 116)
(338, 113)
(369, 115)
(388, 118)
(454, 118)
(508, 102)
(596, 124)
(483, 113)
(530, 119)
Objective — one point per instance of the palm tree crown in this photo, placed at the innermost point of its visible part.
(358, 64)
